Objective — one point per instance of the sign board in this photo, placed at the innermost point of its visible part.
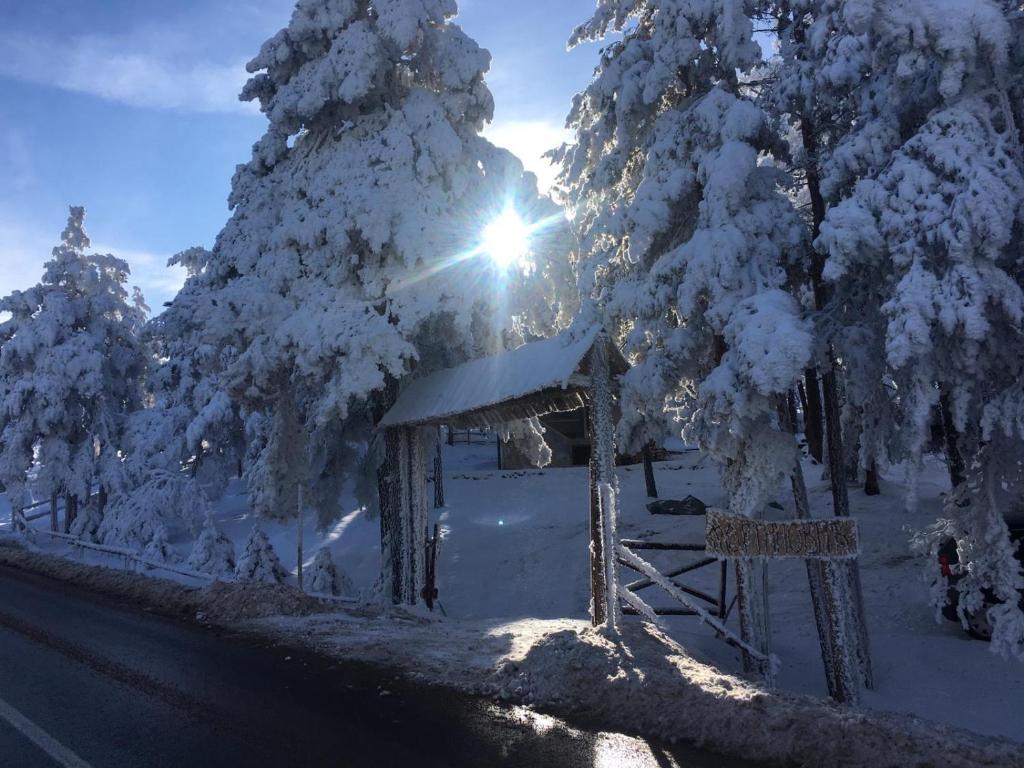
(735, 536)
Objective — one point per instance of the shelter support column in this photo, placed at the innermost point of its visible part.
(604, 579)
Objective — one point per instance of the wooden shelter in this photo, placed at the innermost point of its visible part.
(560, 374)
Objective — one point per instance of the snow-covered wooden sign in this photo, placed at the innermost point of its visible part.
(735, 536)
(830, 548)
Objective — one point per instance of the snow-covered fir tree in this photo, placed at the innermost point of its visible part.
(71, 370)
(685, 235)
(352, 259)
(213, 552)
(930, 242)
(326, 578)
(259, 561)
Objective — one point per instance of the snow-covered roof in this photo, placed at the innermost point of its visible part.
(489, 389)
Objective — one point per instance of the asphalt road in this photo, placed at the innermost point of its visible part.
(87, 683)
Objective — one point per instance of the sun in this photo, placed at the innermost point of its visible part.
(507, 239)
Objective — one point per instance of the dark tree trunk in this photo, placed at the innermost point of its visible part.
(823, 618)
(834, 445)
(451, 436)
(389, 489)
(813, 429)
(54, 523)
(871, 486)
(954, 458)
(830, 397)
(389, 479)
(101, 501)
(652, 487)
(70, 511)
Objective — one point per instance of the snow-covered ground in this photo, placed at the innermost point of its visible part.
(515, 550)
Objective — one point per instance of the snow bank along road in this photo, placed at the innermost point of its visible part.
(87, 683)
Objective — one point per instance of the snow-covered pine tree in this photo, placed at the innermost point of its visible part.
(71, 370)
(934, 238)
(326, 578)
(213, 552)
(685, 236)
(259, 561)
(351, 257)
(685, 240)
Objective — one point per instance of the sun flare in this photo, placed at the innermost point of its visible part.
(507, 239)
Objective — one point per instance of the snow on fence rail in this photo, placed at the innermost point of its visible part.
(646, 569)
(128, 555)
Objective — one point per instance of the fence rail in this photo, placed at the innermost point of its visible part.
(130, 556)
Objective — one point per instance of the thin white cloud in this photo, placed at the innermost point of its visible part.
(110, 69)
(529, 140)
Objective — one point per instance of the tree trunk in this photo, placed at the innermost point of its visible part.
(70, 511)
(652, 487)
(101, 501)
(54, 524)
(298, 545)
(954, 458)
(852, 455)
(390, 489)
(830, 398)
(871, 486)
(823, 618)
(813, 430)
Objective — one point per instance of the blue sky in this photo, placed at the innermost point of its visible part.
(130, 108)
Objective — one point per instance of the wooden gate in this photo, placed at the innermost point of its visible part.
(710, 609)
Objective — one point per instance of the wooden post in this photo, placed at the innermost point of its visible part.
(598, 614)
(751, 601)
(603, 492)
(438, 474)
(416, 509)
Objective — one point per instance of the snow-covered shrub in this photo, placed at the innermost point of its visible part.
(158, 549)
(135, 516)
(86, 525)
(987, 570)
(326, 578)
(259, 561)
(213, 552)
